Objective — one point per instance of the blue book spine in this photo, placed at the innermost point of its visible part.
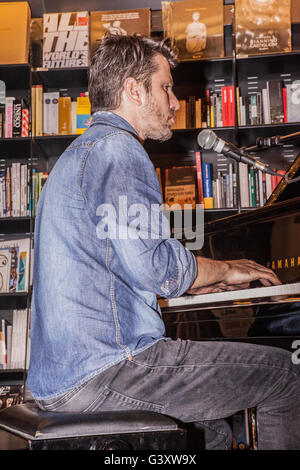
(3, 189)
(206, 177)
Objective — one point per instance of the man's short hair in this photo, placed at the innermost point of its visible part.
(119, 57)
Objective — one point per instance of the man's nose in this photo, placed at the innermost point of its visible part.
(174, 103)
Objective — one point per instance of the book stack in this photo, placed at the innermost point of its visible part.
(256, 187)
(14, 115)
(57, 113)
(216, 189)
(275, 104)
(216, 109)
(13, 338)
(20, 189)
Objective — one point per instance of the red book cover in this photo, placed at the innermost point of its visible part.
(284, 104)
(225, 105)
(231, 107)
(199, 177)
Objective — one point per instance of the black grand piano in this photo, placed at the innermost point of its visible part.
(269, 235)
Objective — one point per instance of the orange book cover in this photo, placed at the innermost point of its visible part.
(15, 20)
(64, 115)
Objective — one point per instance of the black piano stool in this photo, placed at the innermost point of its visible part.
(26, 427)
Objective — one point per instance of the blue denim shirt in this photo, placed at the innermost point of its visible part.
(95, 280)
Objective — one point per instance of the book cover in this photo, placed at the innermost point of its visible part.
(180, 187)
(274, 88)
(39, 110)
(19, 337)
(47, 113)
(4, 270)
(2, 108)
(122, 22)
(83, 116)
(181, 116)
(14, 32)
(9, 104)
(293, 101)
(199, 177)
(196, 29)
(15, 188)
(207, 186)
(65, 39)
(25, 122)
(262, 26)
(64, 115)
(244, 185)
(17, 118)
(53, 112)
(13, 249)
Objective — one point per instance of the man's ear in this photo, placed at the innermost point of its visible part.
(134, 91)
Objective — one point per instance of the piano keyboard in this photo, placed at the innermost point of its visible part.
(285, 290)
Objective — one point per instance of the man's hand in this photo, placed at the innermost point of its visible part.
(218, 276)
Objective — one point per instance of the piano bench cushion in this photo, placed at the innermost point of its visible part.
(30, 423)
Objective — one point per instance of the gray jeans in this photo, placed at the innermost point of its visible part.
(201, 382)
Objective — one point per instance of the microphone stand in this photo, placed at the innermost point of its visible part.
(274, 141)
(234, 73)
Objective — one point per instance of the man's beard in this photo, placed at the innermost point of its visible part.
(154, 124)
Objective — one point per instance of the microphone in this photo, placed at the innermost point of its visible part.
(208, 140)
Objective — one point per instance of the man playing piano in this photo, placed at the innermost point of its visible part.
(97, 337)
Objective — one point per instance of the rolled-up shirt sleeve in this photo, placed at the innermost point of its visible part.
(123, 196)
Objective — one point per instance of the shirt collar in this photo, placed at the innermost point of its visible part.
(113, 119)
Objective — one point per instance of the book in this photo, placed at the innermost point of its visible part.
(244, 185)
(180, 187)
(137, 21)
(83, 114)
(54, 112)
(47, 114)
(33, 110)
(274, 88)
(17, 118)
(50, 113)
(14, 32)
(64, 115)
(199, 177)
(5, 258)
(65, 39)
(207, 186)
(293, 101)
(38, 110)
(9, 104)
(181, 116)
(196, 30)
(19, 250)
(18, 340)
(2, 108)
(262, 27)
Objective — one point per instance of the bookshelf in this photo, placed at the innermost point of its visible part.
(191, 79)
